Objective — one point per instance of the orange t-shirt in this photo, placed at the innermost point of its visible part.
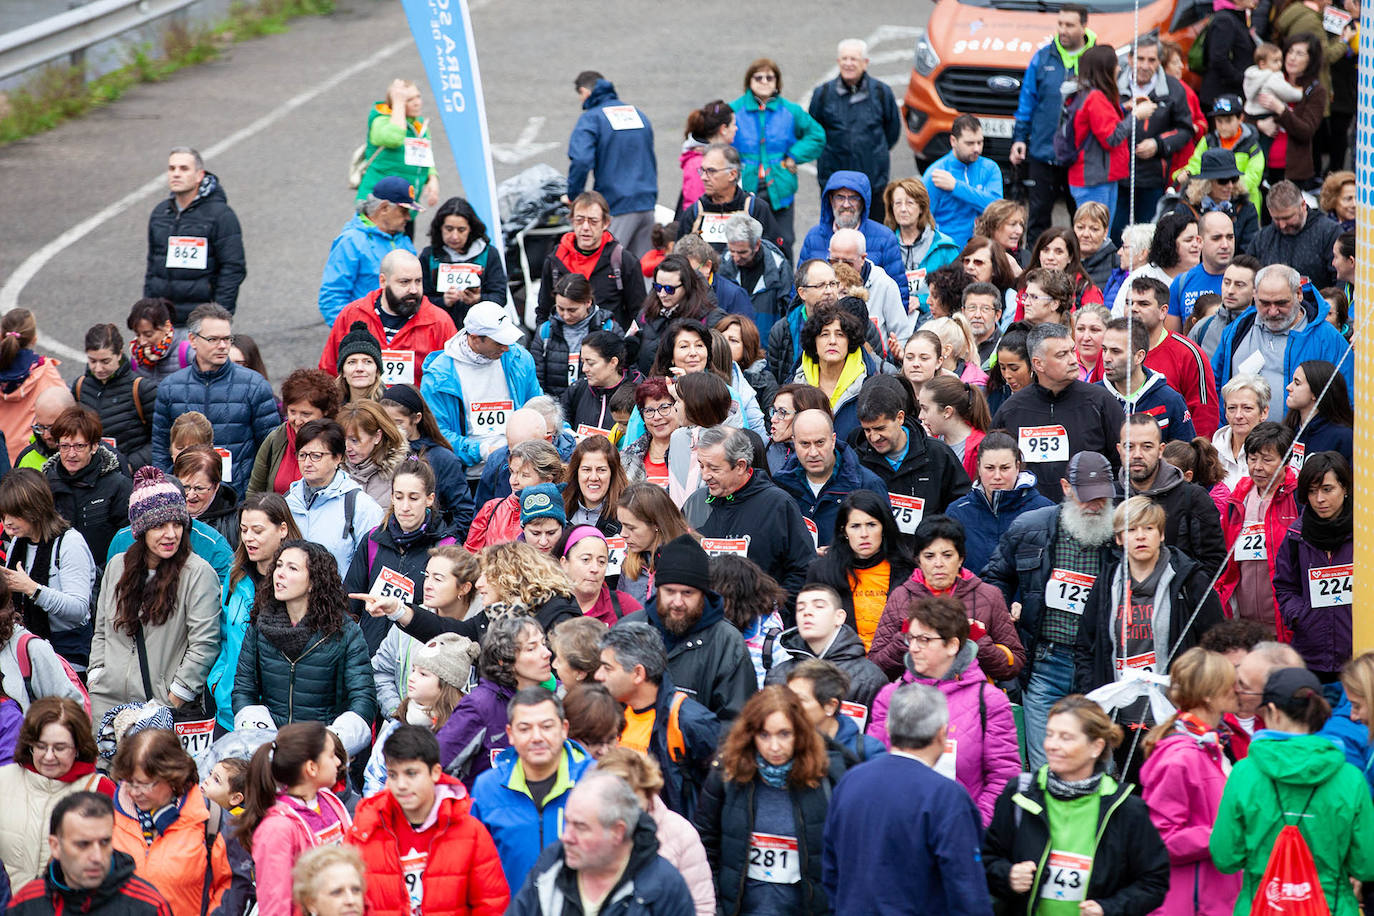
(870, 597)
(639, 726)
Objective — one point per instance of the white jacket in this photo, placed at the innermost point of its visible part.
(29, 800)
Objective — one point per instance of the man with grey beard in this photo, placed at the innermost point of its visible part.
(1045, 565)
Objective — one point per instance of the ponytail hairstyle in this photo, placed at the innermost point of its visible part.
(20, 331)
(1305, 705)
(967, 400)
(704, 123)
(1199, 456)
(1093, 721)
(277, 765)
(573, 286)
(1195, 678)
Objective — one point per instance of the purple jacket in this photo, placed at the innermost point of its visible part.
(475, 732)
(1322, 636)
(1182, 783)
(980, 721)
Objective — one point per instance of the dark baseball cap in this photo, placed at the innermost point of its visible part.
(1090, 475)
(1227, 105)
(396, 191)
(1283, 685)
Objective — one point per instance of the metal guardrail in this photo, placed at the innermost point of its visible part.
(73, 31)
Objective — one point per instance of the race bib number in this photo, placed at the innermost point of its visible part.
(773, 859)
(419, 153)
(623, 117)
(907, 512)
(489, 417)
(574, 367)
(855, 712)
(1040, 444)
(1250, 544)
(720, 547)
(329, 836)
(615, 557)
(947, 763)
(915, 281)
(1066, 877)
(226, 464)
(188, 252)
(459, 276)
(815, 532)
(1068, 591)
(413, 873)
(657, 480)
(391, 584)
(1330, 586)
(1335, 19)
(712, 227)
(196, 737)
(585, 431)
(110, 441)
(1145, 662)
(398, 367)
(1299, 454)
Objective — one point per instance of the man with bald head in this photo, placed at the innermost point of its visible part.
(822, 472)
(540, 418)
(398, 315)
(1251, 673)
(848, 246)
(861, 121)
(42, 446)
(355, 255)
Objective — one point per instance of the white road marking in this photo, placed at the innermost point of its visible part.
(524, 146)
(10, 292)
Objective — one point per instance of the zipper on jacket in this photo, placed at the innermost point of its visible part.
(291, 689)
(1097, 839)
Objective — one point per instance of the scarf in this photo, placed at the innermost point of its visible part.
(465, 348)
(408, 539)
(275, 626)
(1069, 789)
(79, 770)
(500, 609)
(153, 824)
(852, 372)
(289, 471)
(577, 261)
(35, 618)
(418, 715)
(1328, 534)
(775, 776)
(151, 353)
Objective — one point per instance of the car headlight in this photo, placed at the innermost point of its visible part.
(926, 59)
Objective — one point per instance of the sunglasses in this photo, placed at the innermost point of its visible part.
(665, 288)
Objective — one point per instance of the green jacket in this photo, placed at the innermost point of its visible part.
(388, 142)
(1276, 778)
(1249, 160)
(764, 137)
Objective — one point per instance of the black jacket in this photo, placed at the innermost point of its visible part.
(332, 676)
(1171, 127)
(493, 286)
(1308, 252)
(710, 661)
(861, 125)
(426, 624)
(1230, 49)
(743, 202)
(725, 819)
(930, 470)
(1097, 643)
(207, 217)
(380, 550)
(1193, 524)
(826, 569)
(1244, 216)
(95, 500)
(113, 401)
(779, 541)
(122, 893)
(1130, 873)
(223, 514)
(584, 405)
(683, 778)
(618, 289)
(549, 348)
(650, 329)
(1090, 414)
(846, 653)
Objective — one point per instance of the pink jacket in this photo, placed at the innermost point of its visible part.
(279, 840)
(690, 159)
(1182, 783)
(680, 845)
(980, 724)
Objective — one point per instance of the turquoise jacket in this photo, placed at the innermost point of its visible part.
(233, 623)
(354, 263)
(765, 136)
(442, 388)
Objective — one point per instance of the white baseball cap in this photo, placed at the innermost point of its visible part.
(489, 319)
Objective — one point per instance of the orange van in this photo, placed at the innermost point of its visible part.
(972, 55)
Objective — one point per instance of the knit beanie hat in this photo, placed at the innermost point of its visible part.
(155, 501)
(541, 501)
(449, 657)
(359, 340)
(681, 561)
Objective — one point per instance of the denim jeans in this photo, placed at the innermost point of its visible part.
(1102, 193)
(1051, 679)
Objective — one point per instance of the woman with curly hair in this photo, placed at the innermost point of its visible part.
(753, 601)
(157, 618)
(514, 655)
(373, 447)
(303, 657)
(774, 779)
(833, 359)
(307, 394)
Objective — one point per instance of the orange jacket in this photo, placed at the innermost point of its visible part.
(175, 863)
(426, 331)
(462, 875)
(16, 407)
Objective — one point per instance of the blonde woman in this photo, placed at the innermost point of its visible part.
(957, 342)
(648, 520)
(373, 447)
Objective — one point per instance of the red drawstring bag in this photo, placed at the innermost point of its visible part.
(1290, 885)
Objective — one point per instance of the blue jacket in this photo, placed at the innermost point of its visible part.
(1037, 111)
(1316, 340)
(861, 125)
(626, 171)
(442, 389)
(848, 736)
(501, 800)
(765, 137)
(986, 518)
(206, 543)
(821, 509)
(355, 259)
(1351, 737)
(976, 185)
(883, 249)
(233, 623)
(731, 297)
(1322, 435)
(495, 482)
(1156, 398)
(238, 403)
(325, 520)
(895, 824)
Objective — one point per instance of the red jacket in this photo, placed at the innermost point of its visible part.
(426, 331)
(1283, 511)
(975, 439)
(1189, 372)
(497, 522)
(462, 874)
(1099, 117)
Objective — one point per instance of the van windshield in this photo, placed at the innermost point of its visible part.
(1051, 6)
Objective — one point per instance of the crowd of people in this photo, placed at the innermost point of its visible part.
(960, 561)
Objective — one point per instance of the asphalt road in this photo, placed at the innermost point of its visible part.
(278, 117)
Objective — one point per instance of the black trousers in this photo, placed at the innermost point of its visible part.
(1046, 184)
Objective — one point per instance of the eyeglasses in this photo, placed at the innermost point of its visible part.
(216, 341)
(664, 410)
(57, 750)
(780, 413)
(585, 220)
(40, 429)
(704, 172)
(666, 289)
(1232, 180)
(764, 78)
(828, 284)
(135, 786)
(312, 457)
(1036, 297)
(76, 447)
(201, 491)
(922, 641)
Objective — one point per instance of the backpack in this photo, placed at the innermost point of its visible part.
(1290, 884)
(1066, 146)
(138, 402)
(21, 652)
(1197, 53)
(359, 163)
